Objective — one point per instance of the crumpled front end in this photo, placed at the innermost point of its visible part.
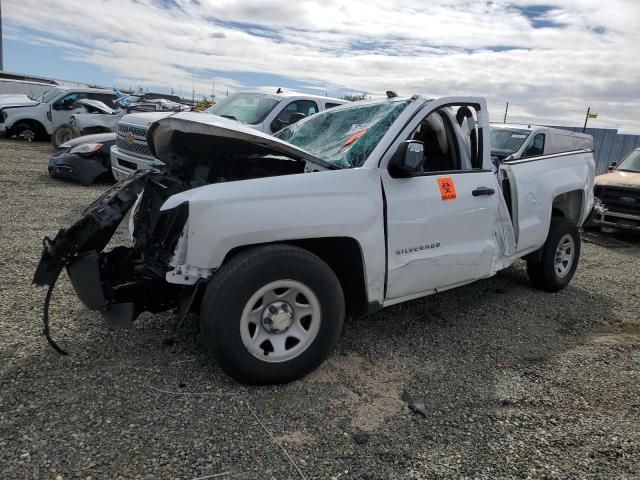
(151, 275)
(125, 281)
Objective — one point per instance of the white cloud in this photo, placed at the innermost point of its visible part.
(441, 47)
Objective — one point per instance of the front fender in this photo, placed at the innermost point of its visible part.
(340, 203)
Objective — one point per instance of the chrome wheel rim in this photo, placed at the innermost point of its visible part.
(280, 321)
(28, 135)
(64, 136)
(565, 254)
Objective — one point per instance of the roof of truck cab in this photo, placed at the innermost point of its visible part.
(286, 94)
(82, 89)
(532, 127)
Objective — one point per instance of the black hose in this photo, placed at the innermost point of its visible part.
(45, 320)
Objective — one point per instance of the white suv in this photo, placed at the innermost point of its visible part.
(262, 111)
(35, 118)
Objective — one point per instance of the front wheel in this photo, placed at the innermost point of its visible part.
(26, 130)
(272, 314)
(560, 255)
(63, 134)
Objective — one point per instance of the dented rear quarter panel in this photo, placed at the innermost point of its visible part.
(336, 203)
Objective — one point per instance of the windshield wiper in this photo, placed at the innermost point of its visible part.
(229, 116)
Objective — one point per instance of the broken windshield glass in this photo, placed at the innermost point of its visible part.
(344, 137)
(631, 163)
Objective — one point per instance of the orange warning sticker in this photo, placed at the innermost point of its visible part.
(447, 188)
(354, 137)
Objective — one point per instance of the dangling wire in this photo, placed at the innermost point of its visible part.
(45, 320)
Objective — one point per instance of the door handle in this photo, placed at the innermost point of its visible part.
(483, 191)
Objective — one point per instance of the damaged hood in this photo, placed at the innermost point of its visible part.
(98, 105)
(16, 101)
(160, 136)
(619, 177)
(144, 119)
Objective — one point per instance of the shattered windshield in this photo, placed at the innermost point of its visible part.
(505, 141)
(631, 163)
(344, 137)
(251, 108)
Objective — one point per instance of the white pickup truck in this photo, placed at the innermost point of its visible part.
(362, 206)
(36, 118)
(262, 111)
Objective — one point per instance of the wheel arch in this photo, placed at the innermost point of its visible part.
(344, 255)
(37, 124)
(568, 205)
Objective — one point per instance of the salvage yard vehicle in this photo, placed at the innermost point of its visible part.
(84, 159)
(36, 118)
(96, 118)
(265, 112)
(100, 118)
(362, 206)
(512, 141)
(617, 195)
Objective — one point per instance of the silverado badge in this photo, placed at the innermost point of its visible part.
(128, 137)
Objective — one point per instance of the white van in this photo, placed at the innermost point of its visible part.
(512, 141)
(9, 86)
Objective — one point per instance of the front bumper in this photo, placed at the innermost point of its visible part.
(124, 164)
(124, 281)
(77, 168)
(117, 285)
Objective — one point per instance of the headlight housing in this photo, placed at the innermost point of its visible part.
(86, 148)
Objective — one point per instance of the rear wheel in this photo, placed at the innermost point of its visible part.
(272, 314)
(559, 259)
(63, 133)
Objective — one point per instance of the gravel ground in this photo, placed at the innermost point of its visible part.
(516, 383)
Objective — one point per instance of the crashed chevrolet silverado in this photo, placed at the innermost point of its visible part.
(361, 206)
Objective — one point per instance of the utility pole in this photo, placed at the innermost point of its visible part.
(193, 85)
(506, 109)
(586, 119)
(1, 46)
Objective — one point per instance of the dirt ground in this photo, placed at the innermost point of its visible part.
(516, 383)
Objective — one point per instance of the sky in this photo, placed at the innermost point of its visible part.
(549, 59)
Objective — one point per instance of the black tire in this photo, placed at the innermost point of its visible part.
(230, 290)
(63, 133)
(544, 274)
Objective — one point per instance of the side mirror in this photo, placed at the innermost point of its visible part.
(408, 159)
(613, 166)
